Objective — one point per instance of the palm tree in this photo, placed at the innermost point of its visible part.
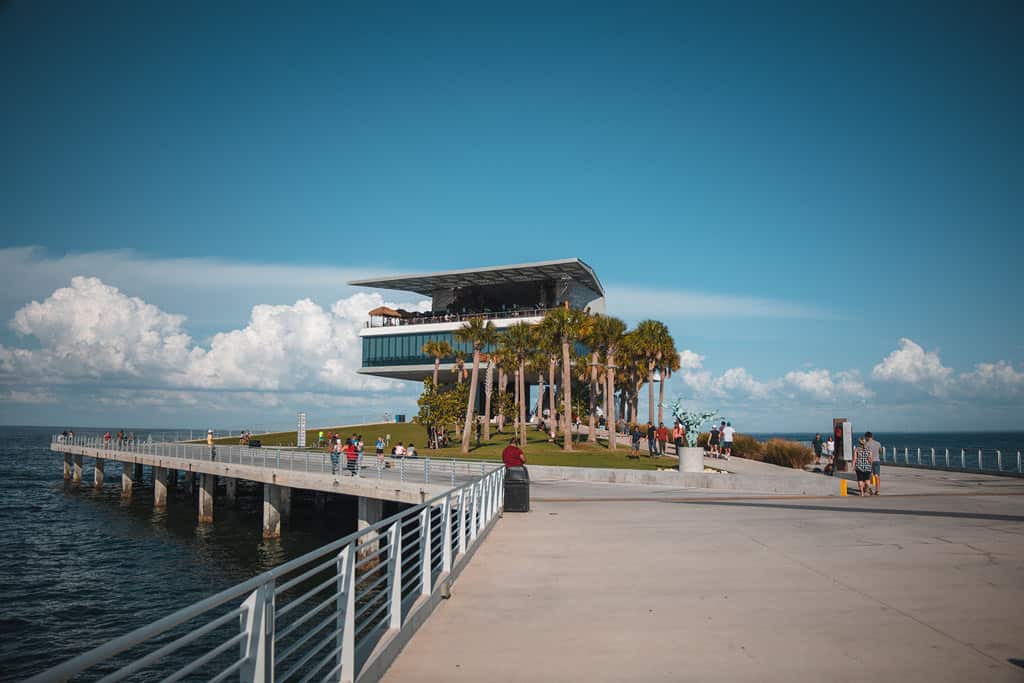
(439, 350)
(479, 333)
(568, 325)
(669, 363)
(459, 368)
(518, 342)
(604, 336)
(654, 340)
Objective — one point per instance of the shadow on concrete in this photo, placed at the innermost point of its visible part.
(873, 511)
(1016, 662)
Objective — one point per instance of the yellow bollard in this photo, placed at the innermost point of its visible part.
(842, 487)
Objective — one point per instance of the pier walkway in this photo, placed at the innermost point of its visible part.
(614, 582)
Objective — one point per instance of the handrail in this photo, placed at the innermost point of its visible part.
(464, 513)
(422, 319)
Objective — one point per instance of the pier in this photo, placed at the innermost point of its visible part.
(198, 467)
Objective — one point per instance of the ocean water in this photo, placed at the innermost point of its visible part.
(80, 566)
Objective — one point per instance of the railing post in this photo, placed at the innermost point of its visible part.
(446, 535)
(426, 556)
(1018, 462)
(933, 457)
(919, 457)
(963, 459)
(395, 574)
(426, 471)
(980, 466)
(999, 460)
(472, 518)
(346, 642)
(401, 468)
(947, 458)
(462, 521)
(451, 462)
(258, 647)
(906, 456)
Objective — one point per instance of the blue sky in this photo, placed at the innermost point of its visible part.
(855, 171)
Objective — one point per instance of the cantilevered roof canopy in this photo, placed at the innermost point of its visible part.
(427, 283)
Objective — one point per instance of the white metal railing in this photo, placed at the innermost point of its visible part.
(967, 459)
(412, 470)
(317, 617)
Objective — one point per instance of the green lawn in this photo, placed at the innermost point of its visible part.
(538, 450)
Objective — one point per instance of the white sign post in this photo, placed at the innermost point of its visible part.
(300, 439)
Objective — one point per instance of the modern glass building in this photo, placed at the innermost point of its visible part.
(393, 340)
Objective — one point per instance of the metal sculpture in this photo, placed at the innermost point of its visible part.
(691, 421)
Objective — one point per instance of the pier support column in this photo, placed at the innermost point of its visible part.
(319, 501)
(172, 478)
(76, 470)
(126, 479)
(286, 503)
(159, 487)
(97, 474)
(206, 486)
(138, 472)
(231, 490)
(271, 511)
(190, 481)
(67, 466)
(371, 511)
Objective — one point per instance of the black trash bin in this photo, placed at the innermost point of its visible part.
(517, 489)
(254, 443)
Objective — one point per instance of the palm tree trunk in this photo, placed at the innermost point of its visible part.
(501, 402)
(609, 398)
(661, 399)
(592, 419)
(635, 407)
(437, 366)
(522, 404)
(488, 390)
(551, 393)
(566, 397)
(540, 396)
(650, 392)
(624, 402)
(471, 402)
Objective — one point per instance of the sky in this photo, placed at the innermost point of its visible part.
(824, 203)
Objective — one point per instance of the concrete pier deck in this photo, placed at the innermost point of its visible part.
(618, 582)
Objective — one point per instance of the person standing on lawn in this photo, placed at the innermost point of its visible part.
(678, 434)
(635, 442)
(652, 440)
(662, 438)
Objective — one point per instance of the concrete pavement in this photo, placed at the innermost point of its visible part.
(636, 583)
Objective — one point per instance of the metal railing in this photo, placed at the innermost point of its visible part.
(413, 470)
(991, 461)
(317, 617)
(428, 318)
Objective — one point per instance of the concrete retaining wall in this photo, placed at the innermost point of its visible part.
(790, 482)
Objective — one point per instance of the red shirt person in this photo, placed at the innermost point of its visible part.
(513, 456)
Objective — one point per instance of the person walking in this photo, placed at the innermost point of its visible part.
(862, 466)
(830, 454)
(678, 434)
(351, 458)
(713, 441)
(209, 442)
(727, 435)
(875, 450)
(335, 455)
(816, 444)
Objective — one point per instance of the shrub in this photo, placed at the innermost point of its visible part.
(747, 447)
(787, 453)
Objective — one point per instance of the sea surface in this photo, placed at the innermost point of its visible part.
(80, 566)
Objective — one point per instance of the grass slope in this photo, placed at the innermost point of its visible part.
(538, 450)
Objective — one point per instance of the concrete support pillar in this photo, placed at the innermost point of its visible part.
(138, 472)
(97, 474)
(159, 487)
(76, 470)
(190, 481)
(319, 501)
(231, 490)
(127, 479)
(286, 503)
(172, 478)
(271, 511)
(207, 482)
(371, 511)
(67, 466)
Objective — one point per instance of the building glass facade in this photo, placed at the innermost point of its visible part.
(407, 349)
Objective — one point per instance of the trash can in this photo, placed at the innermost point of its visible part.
(254, 443)
(517, 489)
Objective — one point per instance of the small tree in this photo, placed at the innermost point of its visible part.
(439, 350)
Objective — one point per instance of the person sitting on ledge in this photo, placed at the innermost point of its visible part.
(513, 455)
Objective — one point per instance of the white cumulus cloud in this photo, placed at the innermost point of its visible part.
(911, 364)
(824, 385)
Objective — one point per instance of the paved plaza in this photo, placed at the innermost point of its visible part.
(640, 583)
